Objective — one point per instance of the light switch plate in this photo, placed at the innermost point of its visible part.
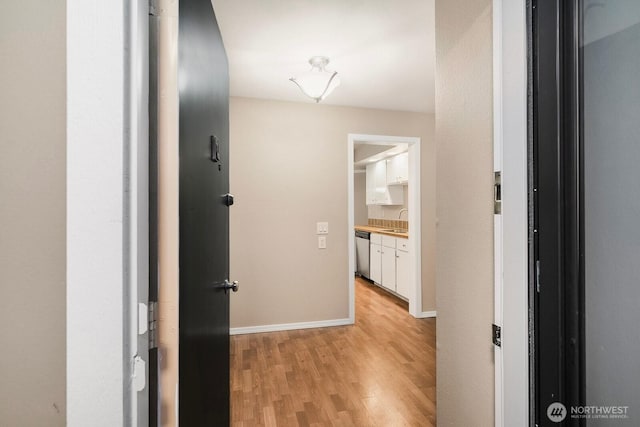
(322, 242)
(322, 228)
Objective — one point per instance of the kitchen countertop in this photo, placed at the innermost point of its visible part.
(380, 230)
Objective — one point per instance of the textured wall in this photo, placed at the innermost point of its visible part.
(32, 213)
(288, 171)
(168, 207)
(464, 194)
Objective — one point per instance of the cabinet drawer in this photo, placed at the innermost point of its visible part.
(389, 241)
(376, 238)
(402, 244)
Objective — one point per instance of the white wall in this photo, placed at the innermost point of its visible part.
(288, 171)
(32, 213)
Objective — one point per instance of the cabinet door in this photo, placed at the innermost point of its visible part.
(398, 169)
(376, 238)
(371, 184)
(389, 268)
(402, 273)
(378, 193)
(402, 167)
(375, 263)
(381, 182)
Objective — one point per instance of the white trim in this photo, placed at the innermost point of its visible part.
(137, 287)
(427, 314)
(497, 85)
(351, 241)
(101, 142)
(415, 246)
(289, 326)
(512, 126)
(497, 219)
(415, 231)
(497, 319)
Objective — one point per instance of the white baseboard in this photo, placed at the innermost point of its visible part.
(426, 314)
(289, 326)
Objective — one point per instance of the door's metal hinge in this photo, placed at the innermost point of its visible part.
(497, 193)
(153, 7)
(538, 276)
(497, 335)
(153, 324)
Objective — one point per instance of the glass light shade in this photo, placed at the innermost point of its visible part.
(318, 82)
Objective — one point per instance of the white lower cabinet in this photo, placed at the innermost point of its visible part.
(388, 268)
(402, 273)
(389, 263)
(375, 263)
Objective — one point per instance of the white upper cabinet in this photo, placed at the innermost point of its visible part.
(398, 169)
(378, 192)
(376, 182)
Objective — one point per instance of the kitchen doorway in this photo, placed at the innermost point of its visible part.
(413, 246)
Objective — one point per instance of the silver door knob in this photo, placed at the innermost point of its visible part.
(230, 285)
(233, 286)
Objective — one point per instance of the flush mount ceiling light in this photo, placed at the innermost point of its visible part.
(318, 82)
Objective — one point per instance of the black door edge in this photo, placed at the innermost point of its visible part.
(556, 225)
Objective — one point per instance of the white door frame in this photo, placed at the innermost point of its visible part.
(107, 170)
(511, 227)
(415, 247)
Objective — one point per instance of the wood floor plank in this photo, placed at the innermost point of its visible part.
(379, 372)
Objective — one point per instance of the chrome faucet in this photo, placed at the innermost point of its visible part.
(402, 210)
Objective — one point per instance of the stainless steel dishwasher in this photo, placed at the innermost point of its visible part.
(362, 253)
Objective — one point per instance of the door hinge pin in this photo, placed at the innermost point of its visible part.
(538, 275)
(153, 7)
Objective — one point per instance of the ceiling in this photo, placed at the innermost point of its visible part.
(383, 50)
(369, 152)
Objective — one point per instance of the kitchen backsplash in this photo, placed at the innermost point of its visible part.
(389, 223)
(389, 216)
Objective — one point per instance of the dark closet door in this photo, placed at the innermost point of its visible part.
(556, 229)
(586, 204)
(204, 218)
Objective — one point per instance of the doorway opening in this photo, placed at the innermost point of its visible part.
(390, 146)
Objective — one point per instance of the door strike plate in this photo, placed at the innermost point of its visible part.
(497, 335)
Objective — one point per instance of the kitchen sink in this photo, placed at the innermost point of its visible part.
(395, 230)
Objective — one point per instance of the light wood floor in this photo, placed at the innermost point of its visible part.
(378, 372)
